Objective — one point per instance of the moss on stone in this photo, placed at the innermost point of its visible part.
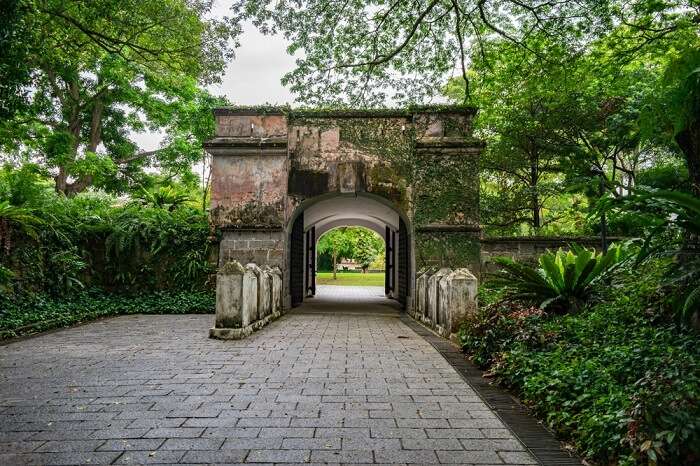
(447, 249)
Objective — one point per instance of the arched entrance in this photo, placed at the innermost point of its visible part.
(280, 176)
(317, 216)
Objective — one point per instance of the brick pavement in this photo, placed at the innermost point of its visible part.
(309, 388)
(350, 300)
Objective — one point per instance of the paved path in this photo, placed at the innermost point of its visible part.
(314, 388)
(350, 300)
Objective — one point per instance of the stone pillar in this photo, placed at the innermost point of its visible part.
(236, 301)
(422, 294)
(443, 301)
(229, 295)
(259, 278)
(265, 296)
(461, 301)
(433, 294)
(446, 189)
(249, 312)
(249, 174)
(277, 291)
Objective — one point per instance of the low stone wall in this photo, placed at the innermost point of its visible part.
(247, 299)
(444, 298)
(529, 248)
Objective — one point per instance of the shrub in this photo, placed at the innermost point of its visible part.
(563, 280)
(39, 312)
(93, 241)
(620, 379)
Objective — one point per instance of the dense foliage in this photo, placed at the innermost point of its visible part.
(621, 379)
(55, 249)
(356, 243)
(38, 312)
(569, 130)
(86, 76)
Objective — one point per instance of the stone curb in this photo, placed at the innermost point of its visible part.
(239, 333)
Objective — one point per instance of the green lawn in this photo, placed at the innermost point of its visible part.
(350, 279)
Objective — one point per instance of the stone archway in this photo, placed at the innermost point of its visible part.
(318, 215)
(271, 164)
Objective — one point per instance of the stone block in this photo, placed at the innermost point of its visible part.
(422, 294)
(265, 292)
(277, 290)
(433, 306)
(443, 301)
(462, 288)
(229, 295)
(250, 294)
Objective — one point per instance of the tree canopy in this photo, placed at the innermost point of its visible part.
(357, 243)
(96, 71)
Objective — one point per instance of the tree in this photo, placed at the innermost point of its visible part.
(515, 93)
(338, 244)
(549, 121)
(367, 246)
(105, 68)
(355, 52)
(14, 73)
(356, 243)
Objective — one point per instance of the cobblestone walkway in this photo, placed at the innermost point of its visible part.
(310, 388)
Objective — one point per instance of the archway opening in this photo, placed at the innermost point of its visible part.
(350, 255)
(370, 241)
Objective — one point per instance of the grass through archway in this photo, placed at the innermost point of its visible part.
(356, 255)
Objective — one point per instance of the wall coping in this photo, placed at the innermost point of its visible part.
(301, 112)
(543, 239)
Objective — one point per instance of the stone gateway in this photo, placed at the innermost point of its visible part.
(283, 177)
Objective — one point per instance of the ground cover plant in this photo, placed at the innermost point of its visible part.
(619, 379)
(31, 314)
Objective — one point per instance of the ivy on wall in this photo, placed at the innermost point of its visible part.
(431, 182)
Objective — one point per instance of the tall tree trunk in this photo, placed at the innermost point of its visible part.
(534, 196)
(689, 142)
(61, 180)
(74, 126)
(335, 265)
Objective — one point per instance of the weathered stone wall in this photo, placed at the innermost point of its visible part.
(530, 248)
(347, 153)
(249, 170)
(265, 247)
(446, 192)
(267, 163)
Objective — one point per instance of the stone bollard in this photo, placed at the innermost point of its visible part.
(247, 299)
(433, 294)
(443, 303)
(229, 295)
(422, 294)
(251, 293)
(265, 285)
(462, 288)
(236, 301)
(277, 290)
